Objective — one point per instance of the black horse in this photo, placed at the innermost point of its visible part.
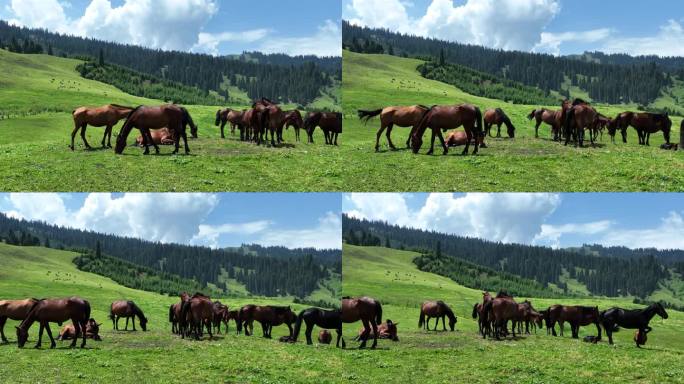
(615, 317)
(322, 318)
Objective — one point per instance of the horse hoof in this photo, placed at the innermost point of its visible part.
(429, 153)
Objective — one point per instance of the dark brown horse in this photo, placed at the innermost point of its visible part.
(368, 311)
(145, 119)
(645, 124)
(499, 311)
(484, 324)
(268, 316)
(630, 319)
(226, 116)
(269, 118)
(579, 117)
(14, 310)
(246, 126)
(106, 116)
(68, 331)
(327, 319)
(127, 310)
(55, 311)
(498, 117)
(550, 117)
(386, 330)
(577, 315)
(447, 117)
(220, 316)
(293, 119)
(198, 313)
(175, 310)
(409, 116)
(438, 310)
(330, 123)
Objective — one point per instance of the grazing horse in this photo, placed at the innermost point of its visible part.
(160, 137)
(440, 118)
(327, 319)
(552, 118)
(577, 315)
(386, 330)
(324, 337)
(55, 311)
(330, 123)
(368, 311)
(220, 316)
(436, 309)
(645, 124)
(630, 319)
(145, 118)
(499, 311)
(293, 119)
(14, 310)
(390, 116)
(105, 116)
(268, 316)
(578, 117)
(228, 116)
(68, 331)
(198, 313)
(127, 310)
(498, 116)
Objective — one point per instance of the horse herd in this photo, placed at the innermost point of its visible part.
(568, 124)
(167, 124)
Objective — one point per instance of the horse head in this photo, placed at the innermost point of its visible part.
(660, 310)
(22, 336)
(392, 330)
(218, 118)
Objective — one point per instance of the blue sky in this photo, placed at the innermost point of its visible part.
(557, 220)
(210, 26)
(216, 220)
(551, 26)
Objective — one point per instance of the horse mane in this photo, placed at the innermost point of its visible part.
(578, 101)
(121, 106)
(423, 106)
(503, 293)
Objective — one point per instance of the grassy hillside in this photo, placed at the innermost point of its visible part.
(41, 91)
(153, 356)
(463, 356)
(522, 164)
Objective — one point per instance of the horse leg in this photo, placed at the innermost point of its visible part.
(126, 329)
(498, 130)
(365, 333)
(375, 333)
(133, 321)
(469, 137)
(52, 339)
(443, 322)
(40, 335)
(441, 140)
(73, 134)
(432, 143)
(116, 325)
(185, 141)
(223, 125)
(309, 329)
(3, 320)
(83, 135)
(389, 136)
(339, 337)
(648, 139)
(536, 129)
(104, 137)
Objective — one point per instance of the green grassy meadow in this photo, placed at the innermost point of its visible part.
(153, 356)
(522, 164)
(463, 356)
(39, 94)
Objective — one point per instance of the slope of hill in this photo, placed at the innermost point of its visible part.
(523, 164)
(123, 356)
(463, 356)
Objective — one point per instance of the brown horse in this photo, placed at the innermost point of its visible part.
(458, 138)
(160, 137)
(330, 123)
(368, 311)
(440, 118)
(579, 117)
(55, 311)
(68, 331)
(106, 116)
(198, 313)
(226, 116)
(550, 117)
(294, 119)
(145, 118)
(436, 309)
(324, 336)
(246, 125)
(386, 330)
(577, 316)
(498, 117)
(220, 316)
(175, 311)
(127, 310)
(500, 311)
(479, 314)
(645, 124)
(390, 116)
(268, 316)
(269, 118)
(14, 310)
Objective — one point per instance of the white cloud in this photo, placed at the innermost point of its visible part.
(327, 41)
(551, 42)
(550, 235)
(208, 235)
(390, 207)
(209, 42)
(666, 235)
(326, 235)
(493, 23)
(37, 14)
(669, 41)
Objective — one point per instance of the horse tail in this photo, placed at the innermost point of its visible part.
(367, 115)
(421, 319)
(378, 312)
(475, 311)
(86, 311)
(478, 122)
(125, 131)
(218, 118)
(111, 314)
(487, 309)
(171, 314)
(569, 118)
(298, 325)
